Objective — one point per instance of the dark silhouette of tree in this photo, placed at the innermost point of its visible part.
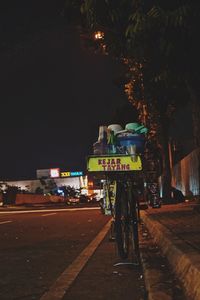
(124, 114)
(157, 41)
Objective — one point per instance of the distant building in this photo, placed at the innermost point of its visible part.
(48, 180)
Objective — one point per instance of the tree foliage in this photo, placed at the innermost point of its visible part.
(159, 36)
(157, 41)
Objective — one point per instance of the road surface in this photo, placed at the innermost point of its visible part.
(37, 247)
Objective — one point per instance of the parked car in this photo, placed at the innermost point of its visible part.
(73, 200)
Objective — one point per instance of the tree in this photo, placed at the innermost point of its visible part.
(162, 31)
(149, 37)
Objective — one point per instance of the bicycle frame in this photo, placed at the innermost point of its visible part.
(126, 216)
(124, 173)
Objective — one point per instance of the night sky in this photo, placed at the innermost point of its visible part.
(54, 95)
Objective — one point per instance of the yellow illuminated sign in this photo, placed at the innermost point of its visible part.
(114, 163)
(65, 174)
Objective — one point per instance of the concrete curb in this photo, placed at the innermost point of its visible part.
(155, 287)
(184, 260)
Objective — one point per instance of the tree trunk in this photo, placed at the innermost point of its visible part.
(166, 176)
(194, 99)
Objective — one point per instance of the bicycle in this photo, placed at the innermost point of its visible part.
(122, 200)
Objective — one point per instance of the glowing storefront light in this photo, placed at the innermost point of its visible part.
(64, 174)
(76, 173)
(55, 173)
(68, 174)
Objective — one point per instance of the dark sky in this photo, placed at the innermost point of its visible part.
(54, 95)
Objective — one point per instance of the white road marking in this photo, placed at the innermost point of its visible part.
(59, 288)
(47, 210)
(4, 222)
(48, 214)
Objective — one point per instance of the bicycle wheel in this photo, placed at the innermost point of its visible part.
(122, 221)
(134, 219)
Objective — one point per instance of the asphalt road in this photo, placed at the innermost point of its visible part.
(36, 247)
(66, 254)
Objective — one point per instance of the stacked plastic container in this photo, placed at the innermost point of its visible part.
(116, 140)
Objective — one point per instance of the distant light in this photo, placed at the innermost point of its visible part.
(98, 35)
(68, 174)
(76, 173)
(60, 192)
(65, 174)
(55, 173)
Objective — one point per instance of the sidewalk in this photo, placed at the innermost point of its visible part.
(176, 230)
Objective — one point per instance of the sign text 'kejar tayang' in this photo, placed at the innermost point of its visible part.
(109, 164)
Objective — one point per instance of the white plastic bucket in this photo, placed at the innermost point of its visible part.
(102, 133)
(115, 128)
